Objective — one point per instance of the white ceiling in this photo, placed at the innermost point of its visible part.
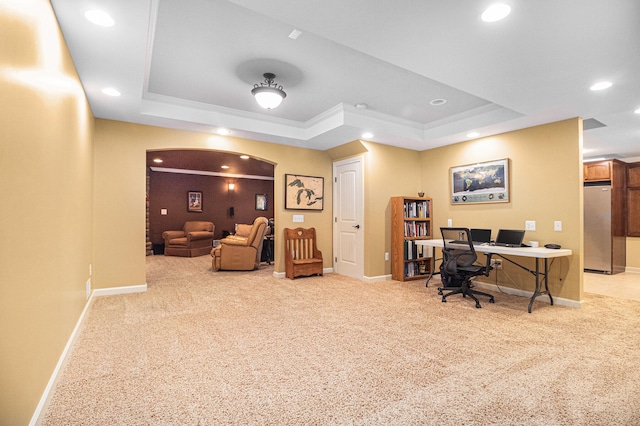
(191, 64)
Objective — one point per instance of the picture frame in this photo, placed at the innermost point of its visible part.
(194, 201)
(486, 182)
(261, 202)
(303, 192)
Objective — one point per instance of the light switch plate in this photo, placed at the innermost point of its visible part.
(449, 222)
(557, 225)
(298, 218)
(530, 225)
(163, 212)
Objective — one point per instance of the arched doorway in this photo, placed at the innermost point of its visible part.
(233, 188)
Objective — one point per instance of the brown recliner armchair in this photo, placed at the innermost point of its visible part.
(241, 252)
(195, 239)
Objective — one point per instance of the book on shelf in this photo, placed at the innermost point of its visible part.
(417, 209)
(412, 250)
(411, 269)
(416, 229)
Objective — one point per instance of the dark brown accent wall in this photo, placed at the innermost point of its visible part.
(169, 191)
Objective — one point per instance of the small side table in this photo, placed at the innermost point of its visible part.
(267, 249)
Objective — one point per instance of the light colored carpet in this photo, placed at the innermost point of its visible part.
(206, 348)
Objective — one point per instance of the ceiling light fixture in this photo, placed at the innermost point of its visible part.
(268, 93)
(110, 91)
(367, 135)
(601, 86)
(637, 111)
(437, 102)
(99, 17)
(496, 12)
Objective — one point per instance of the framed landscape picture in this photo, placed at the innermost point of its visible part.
(486, 182)
(303, 192)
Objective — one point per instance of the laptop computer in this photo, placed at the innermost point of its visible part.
(510, 238)
(480, 236)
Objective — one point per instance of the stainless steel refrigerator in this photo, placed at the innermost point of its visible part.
(597, 228)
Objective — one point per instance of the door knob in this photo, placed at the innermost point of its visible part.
(356, 226)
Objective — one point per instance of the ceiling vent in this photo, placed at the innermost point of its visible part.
(591, 123)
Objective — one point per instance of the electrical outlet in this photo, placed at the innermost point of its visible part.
(557, 225)
(496, 263)
(449, 223)
(386, 256)
(530, 225)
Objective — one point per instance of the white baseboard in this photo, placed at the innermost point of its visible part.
(632, 270)
(377, 279)
(72, 338)
(527, 294)
(120, 290)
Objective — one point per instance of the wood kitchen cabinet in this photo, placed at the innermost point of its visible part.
(633, 200)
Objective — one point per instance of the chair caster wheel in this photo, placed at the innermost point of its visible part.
(478, 305)
(444, 300)
(492, 300)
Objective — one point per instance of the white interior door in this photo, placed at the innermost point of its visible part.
(348, 217)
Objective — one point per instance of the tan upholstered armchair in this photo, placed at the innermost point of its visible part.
(195, 239)
(241, 252)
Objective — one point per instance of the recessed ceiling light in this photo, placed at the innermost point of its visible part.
(110, 91)
(99, 17)
(473, 134)
(367, 135)
(601, 85)
(244, 157)
(295, 34)
(437, 102)
(361, 105)
(223, 132)
(157, 160)
(224, 167)
(637, 111)
(496, 12)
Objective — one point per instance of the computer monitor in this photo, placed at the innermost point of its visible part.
(510, 238)
(479, 236)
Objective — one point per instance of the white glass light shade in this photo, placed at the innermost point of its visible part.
(268, 97)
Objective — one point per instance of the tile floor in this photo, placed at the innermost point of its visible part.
(625, 285)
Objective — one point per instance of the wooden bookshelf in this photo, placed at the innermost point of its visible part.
(410, 221)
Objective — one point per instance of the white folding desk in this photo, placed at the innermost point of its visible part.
(538, 253)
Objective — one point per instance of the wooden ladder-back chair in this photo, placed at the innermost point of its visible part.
(301, 254)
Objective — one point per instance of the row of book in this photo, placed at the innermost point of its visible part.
(414, 251)
(416, 229)
(416, 268)
(417, 209)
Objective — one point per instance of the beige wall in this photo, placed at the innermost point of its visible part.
(546, 185)
(633, 254)
(388, 172)
(46, 162)
(119, 227)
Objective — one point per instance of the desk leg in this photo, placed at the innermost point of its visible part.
(546, 280)
(545, 277)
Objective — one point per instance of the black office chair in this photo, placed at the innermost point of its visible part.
(458, 257)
